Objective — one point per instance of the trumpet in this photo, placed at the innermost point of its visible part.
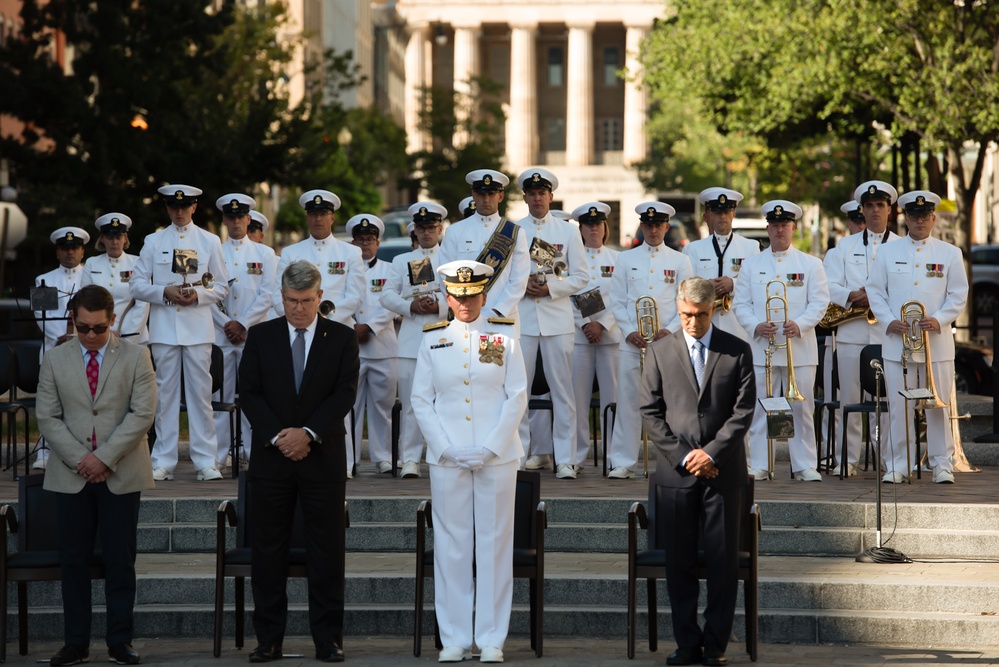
(647, 313)
(837, 315)
(326, 309)
(791, 395)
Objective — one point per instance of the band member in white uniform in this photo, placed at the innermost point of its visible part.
(924, 269)
(718, 257)
(339, 263)
(69, 242)
(258, 223)
(376, 336)
(112, 270)
(652, 269)
(168, 276)
(414, 293)
(466, 207)
(252, 271)
(469, 395)
(596, 336)
(848, 270)
(469, 238)
(546, 321)
(807, 299)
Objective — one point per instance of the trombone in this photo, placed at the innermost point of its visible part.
(778, 314)
(647, 313)
(916, 340)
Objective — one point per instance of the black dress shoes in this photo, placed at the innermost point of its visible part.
(70, 655)
(123, 654)
(715, 659)
(329, 653)
(684, 656)
(266, 653)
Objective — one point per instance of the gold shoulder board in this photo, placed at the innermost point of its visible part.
(435, 325)
(501, 320)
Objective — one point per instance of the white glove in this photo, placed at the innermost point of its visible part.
(451, 454)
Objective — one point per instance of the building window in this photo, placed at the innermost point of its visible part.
(611, 136)
(554, 134)
(556, 71)
(612, 64)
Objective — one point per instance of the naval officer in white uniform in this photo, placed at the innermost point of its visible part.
(469, 395)
(252, 271)
(168, 276)
(112, 270)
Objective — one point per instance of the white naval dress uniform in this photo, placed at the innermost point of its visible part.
(410, 334)
(600, 359)
(68, 282)
(931, 272)
(113, 275)
(252, 271)
(376, 381)
(547, 324)
(641, 271)
(807, 300)
(181, 336)
(341, 267)
(462, 401)
(720, 256)
(467, 238)
(848, 268)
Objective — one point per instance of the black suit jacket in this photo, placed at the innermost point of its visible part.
(679, 418)
(268, 398)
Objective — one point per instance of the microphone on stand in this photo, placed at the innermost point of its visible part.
(876, 365)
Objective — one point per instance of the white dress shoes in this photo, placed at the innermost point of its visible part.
(208, 474)
(410, 469)
(942, 476)
(759, 474)
(384, 466)
(491, 654)
(621, 472)
(162, 474)
(566, 471)
(808, 475)
(454, 654)
(539, 462)
(893, 477)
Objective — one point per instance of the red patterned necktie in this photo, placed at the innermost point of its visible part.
(93, 373)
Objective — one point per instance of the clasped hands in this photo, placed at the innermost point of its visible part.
(469, 458)
(769, 329)
(294, 443)
(92, 469)
(699, 464)
(180, 296)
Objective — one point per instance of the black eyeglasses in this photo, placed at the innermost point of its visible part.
(98, 329)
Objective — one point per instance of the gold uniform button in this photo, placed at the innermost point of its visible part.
(468, 418)
(466, 365)
(468, 400)
(178, 310)
(466, 350)
(466, 381)
(236, 297)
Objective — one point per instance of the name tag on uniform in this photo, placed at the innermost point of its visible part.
(441, 344)
(336, 268)
(669, 275)
(255, 268)
(377, 283)
(124, 276)
(795, 279)
(934, 270)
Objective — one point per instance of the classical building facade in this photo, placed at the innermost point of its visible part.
(559, 64)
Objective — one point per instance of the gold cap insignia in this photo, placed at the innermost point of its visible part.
(115, 222)
(778, 210)
(920, 200)
(464, 274)
(423, 210)
(69, 236)
(722, 199)
(593, 211)
(487, 180)
(651, 211)
(536, 177)
(872, 189)
(318, 199)
(178, 195)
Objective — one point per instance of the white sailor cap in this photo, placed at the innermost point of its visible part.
(71, 237)
(919, 201)
(853, 210)
(113, 224)
(654, 212)
(719, 199)
(559, 214)
(465, 277)
(235, 203)
(180, 196)
(875, 190)
(258, 219)
(591, 213)
(536, 177)
(365, 223)
(467, 206)
(780, 210)
(319, 200)
(487, 180)
(427, 212)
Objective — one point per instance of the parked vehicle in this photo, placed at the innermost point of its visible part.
(985, 278)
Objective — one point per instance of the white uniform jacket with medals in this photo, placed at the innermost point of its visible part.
(252, 270)
(703, 256)
(113, 275)
(399, 287)
(642, 271)
(341, 267)
(849, 269)
(383, 343)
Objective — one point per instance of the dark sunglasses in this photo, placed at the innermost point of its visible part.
(99, 329)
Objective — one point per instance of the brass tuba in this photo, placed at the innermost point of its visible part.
(647, 313)
(837, 315)
(915, 340)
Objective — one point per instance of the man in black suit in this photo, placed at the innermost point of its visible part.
(297, 380)
(697, 398)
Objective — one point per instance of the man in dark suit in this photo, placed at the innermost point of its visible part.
(96, 401)
(697, 398)
(297, 379)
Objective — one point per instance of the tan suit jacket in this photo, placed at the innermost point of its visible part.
(121, 412)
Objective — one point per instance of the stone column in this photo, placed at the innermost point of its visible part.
(415, 83)
(579, 130)
(635, 143)
(522, 124)
(466, 67)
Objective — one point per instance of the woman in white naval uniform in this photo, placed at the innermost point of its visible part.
(469, 395)
(597, 337)
(112, 270)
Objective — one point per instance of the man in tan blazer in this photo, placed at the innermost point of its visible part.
(96, 401)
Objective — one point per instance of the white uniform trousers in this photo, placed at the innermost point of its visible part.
(627, 421)
(939, 445)
(557, 354)
(230, 368)
(586, 360)
(848, 358)
(410, 437)
(540, 422)
(376, 383)
(827, 388)
(802, 445)
(473, 515)
(196, 361)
